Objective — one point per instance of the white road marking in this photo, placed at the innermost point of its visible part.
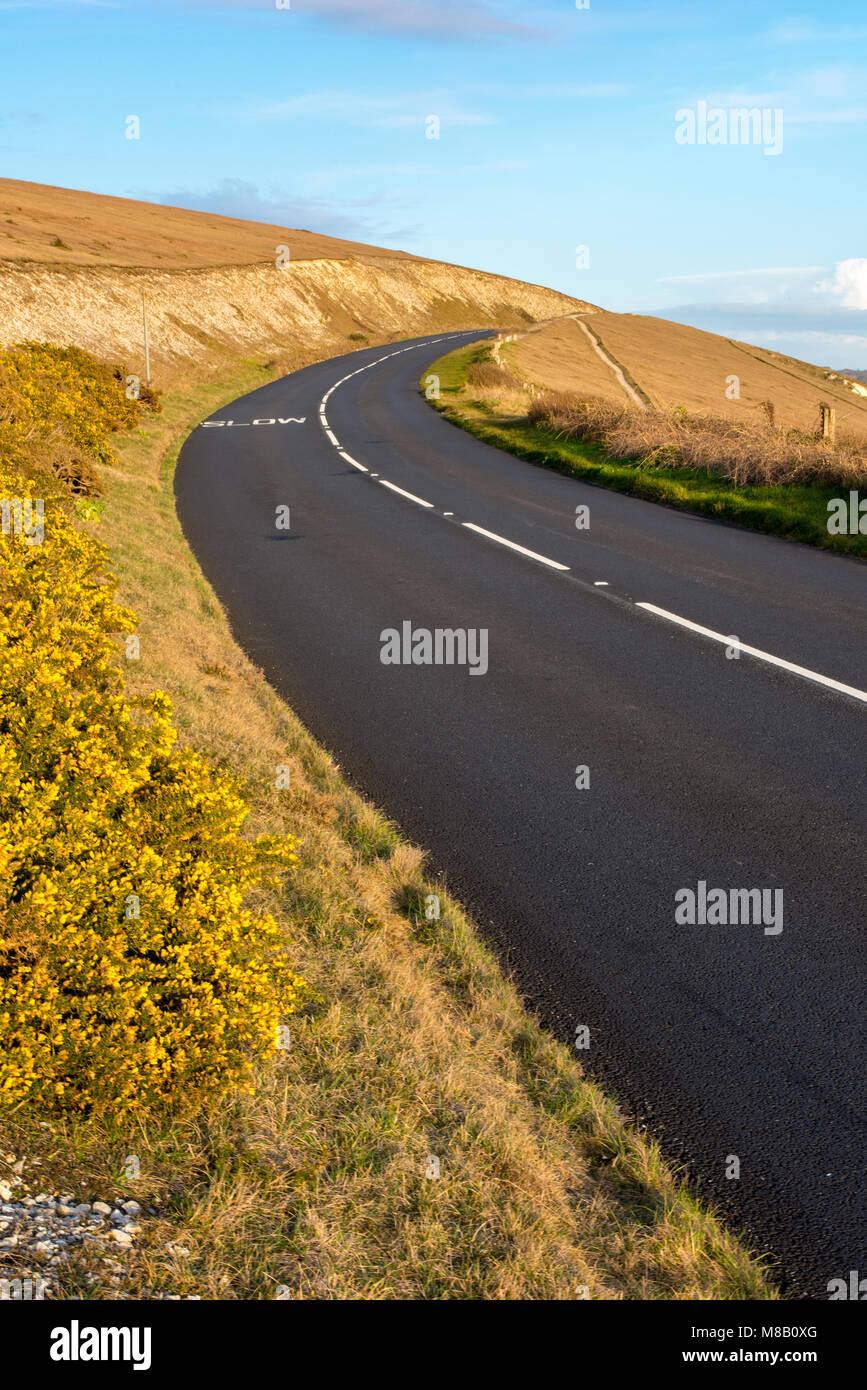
(411, 495)
(757, 652)
(332, 437)
(501, 540)
(728, 641)
(349, 459)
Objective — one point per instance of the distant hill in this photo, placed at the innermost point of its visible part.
(81, 268)
(66, 226)
(672, 364)
(852, 372)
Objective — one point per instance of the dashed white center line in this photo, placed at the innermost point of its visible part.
(790, 666)
(349, 459)
(410, 495)
(513, 545)
(729, 641)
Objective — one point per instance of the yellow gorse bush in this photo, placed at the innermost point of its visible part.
(131, 973)
(49, 391)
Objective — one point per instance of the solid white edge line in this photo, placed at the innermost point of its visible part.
(522, 549)
(411, 495)
(757, 652)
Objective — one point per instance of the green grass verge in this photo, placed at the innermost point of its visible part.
(795, 512)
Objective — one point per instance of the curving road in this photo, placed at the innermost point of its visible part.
(731, 756)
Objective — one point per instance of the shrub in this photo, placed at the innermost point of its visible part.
(62, 403)
(746, 452)
(487, 374)
(50, 391)
(131, 973)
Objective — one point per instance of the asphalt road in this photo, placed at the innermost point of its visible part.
(704, 766)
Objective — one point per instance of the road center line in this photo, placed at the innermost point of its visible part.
(757, 652)
(513, 545)
(411, 495)
(332, 437)
(727, 640)
(349, 459)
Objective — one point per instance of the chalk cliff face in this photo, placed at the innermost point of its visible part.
(198, 317)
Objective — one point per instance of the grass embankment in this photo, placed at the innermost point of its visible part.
(416, 1047)
(496, 407)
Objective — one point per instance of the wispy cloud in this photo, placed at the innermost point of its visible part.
(552, 91)
(824, 334)
(412, 169)
(399, 110)
(847, 115)
(765, 286)
(447, 20)
(354, 219)
(741, 274)
(784, 289)
(441, 19)
(820, 96)
(771, 97)
(803, 31)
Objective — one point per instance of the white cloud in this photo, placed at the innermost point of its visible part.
(848, 286)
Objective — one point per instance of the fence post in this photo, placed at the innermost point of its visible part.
(829, 421)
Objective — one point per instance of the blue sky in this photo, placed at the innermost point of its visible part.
(557, 129)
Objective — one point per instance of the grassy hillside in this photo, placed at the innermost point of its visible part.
(215, 290)
(67, 226)
(675, 365)
(647, 452)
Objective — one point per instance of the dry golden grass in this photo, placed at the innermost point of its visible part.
(485, 375)
(748, 453)
(97, 230)
(556, 357)
(418, 1046)
(676, 365)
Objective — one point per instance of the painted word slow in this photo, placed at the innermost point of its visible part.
(245, 424)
